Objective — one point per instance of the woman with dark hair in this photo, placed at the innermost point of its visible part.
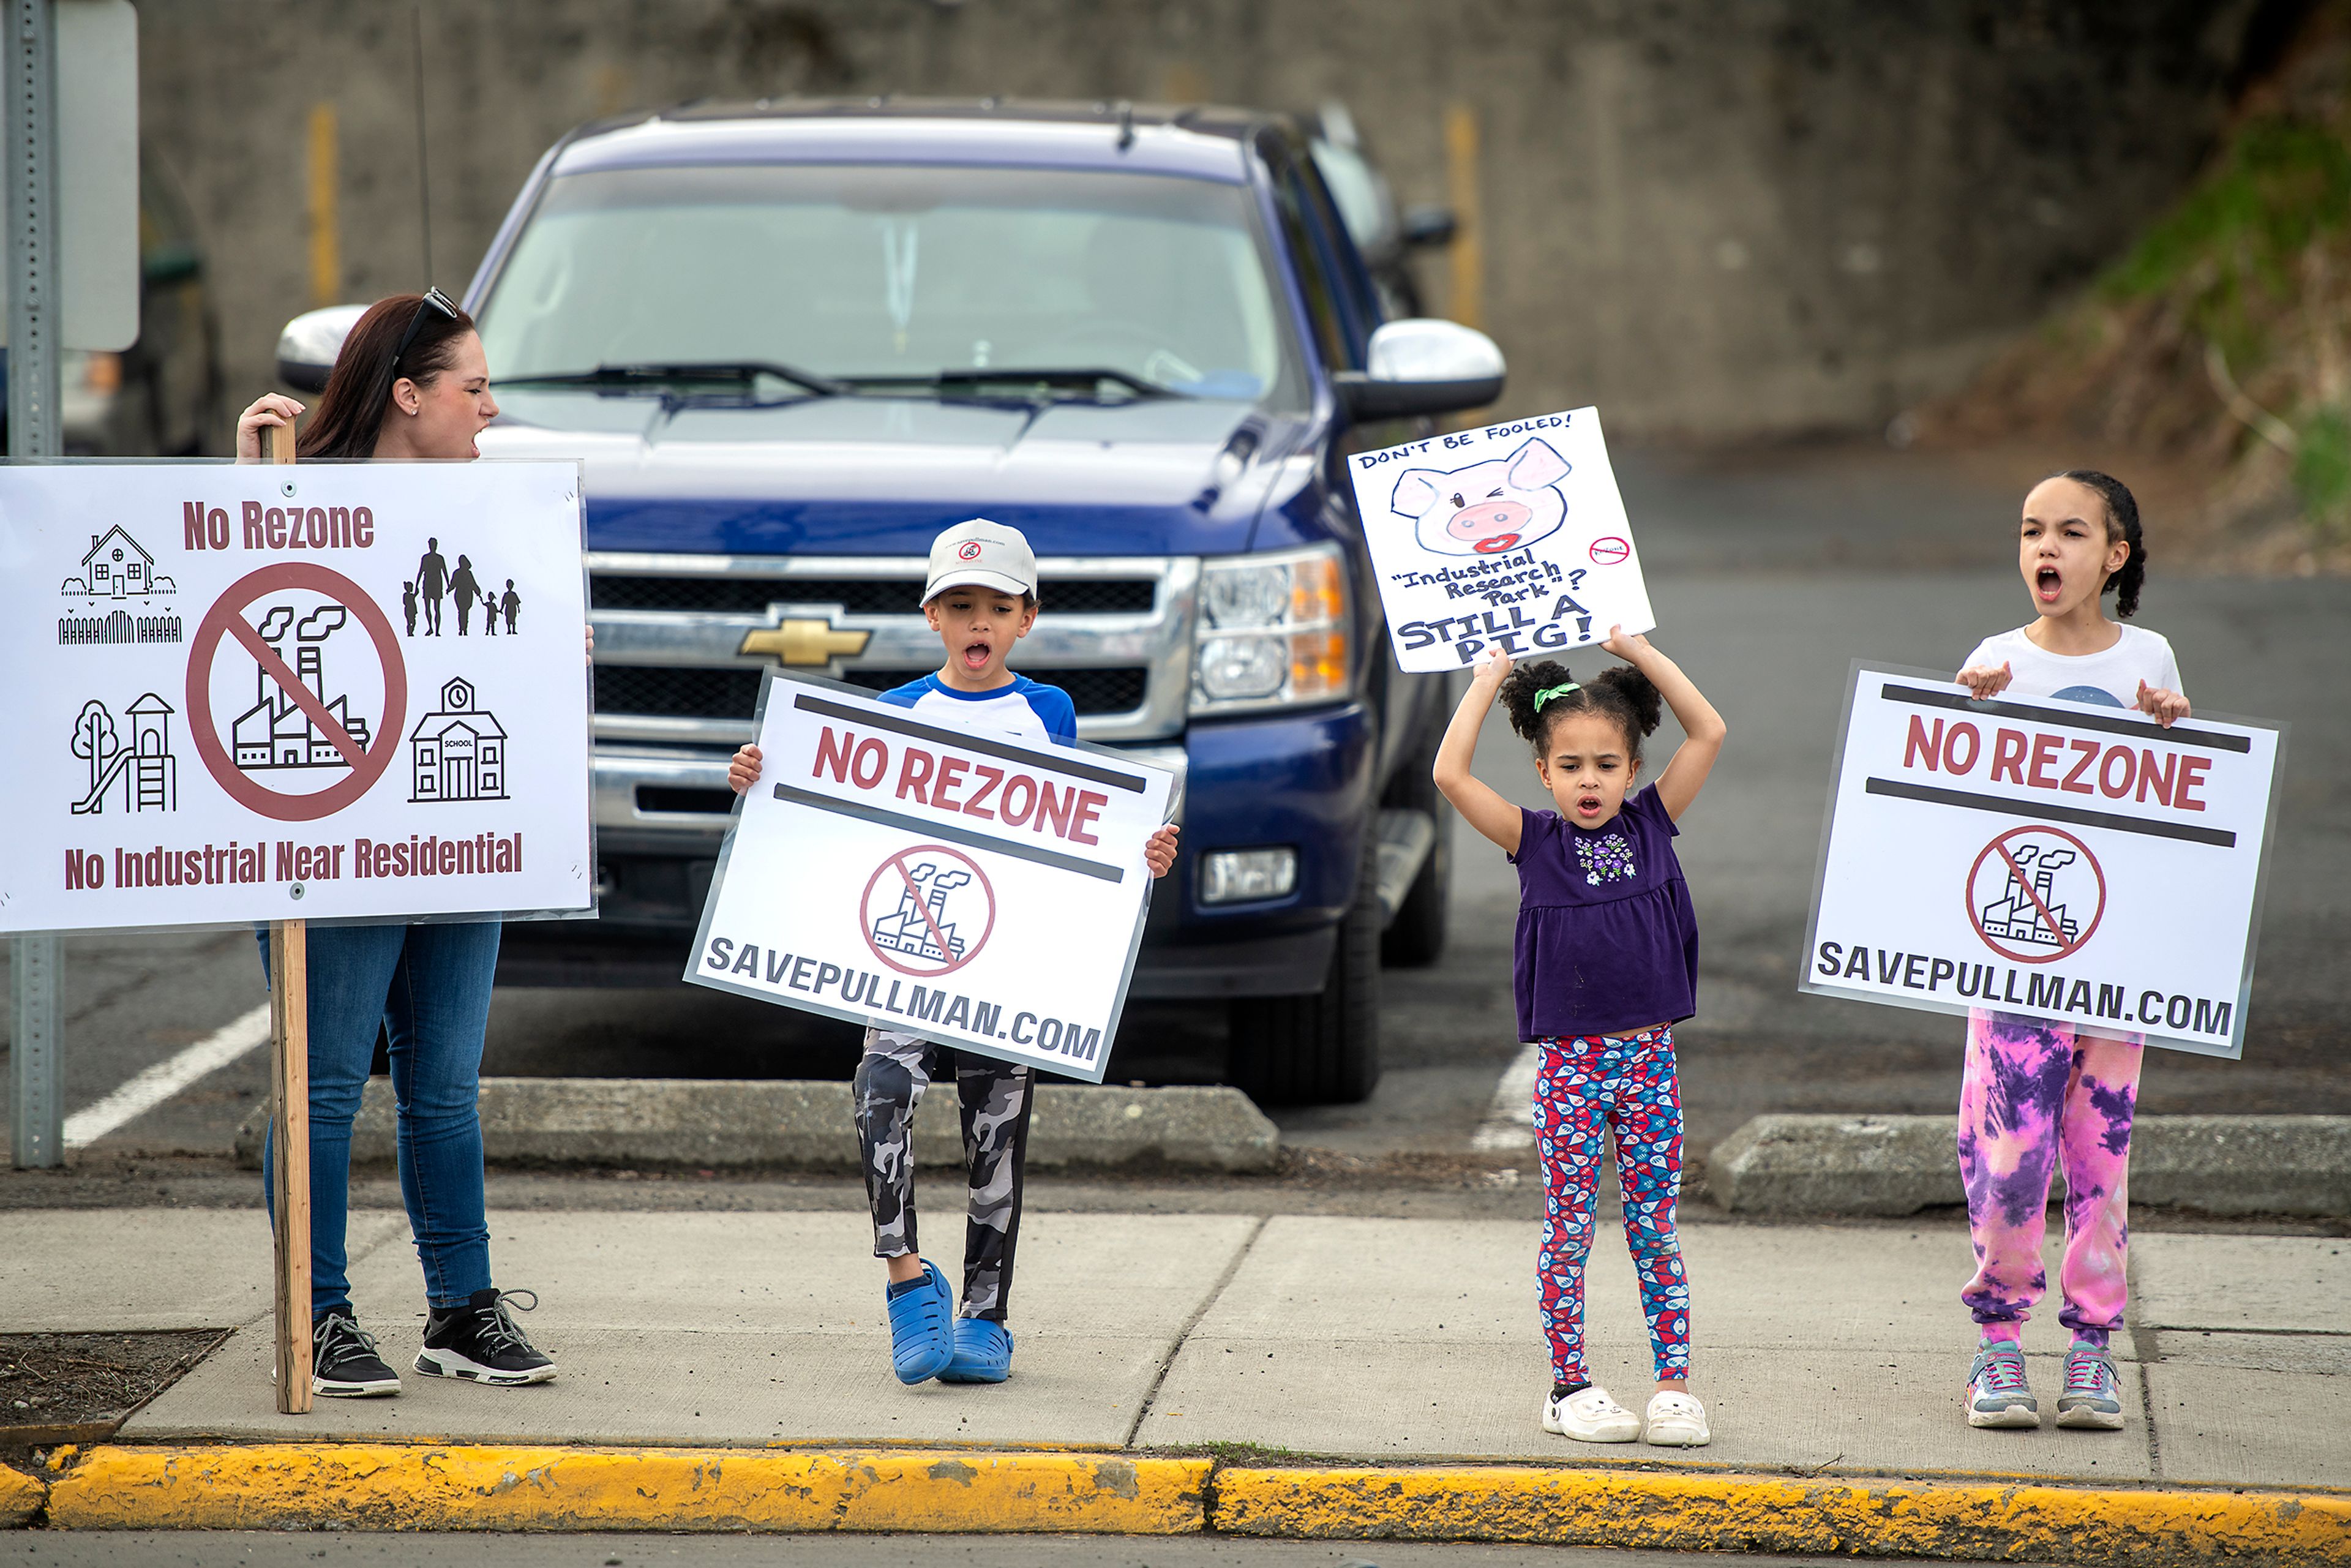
(410, 383)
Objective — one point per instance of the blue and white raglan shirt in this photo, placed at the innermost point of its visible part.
(1025, 710)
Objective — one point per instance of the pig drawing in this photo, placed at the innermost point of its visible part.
(1502, 504)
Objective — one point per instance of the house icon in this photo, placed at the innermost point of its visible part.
(458, 752)
(117, 566)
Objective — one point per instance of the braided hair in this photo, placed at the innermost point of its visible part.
(1620, 693)
(2122, 523)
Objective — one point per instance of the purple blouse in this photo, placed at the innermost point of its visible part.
(1607, 940)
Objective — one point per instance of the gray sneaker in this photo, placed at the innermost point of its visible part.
(2093, 1397)
(1998, 1394)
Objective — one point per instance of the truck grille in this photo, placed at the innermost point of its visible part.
(669, 629)
(734, 693)
(855, 595)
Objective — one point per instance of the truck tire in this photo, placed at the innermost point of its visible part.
(1320, 1049)
(1415, 938)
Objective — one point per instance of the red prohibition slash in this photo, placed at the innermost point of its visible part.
(2043, 916)
(899, 864)
(226, 618)
(1609, 551)
(968, 550)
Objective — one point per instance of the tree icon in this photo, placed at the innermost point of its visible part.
(95, 739)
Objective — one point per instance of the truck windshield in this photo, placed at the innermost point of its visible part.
(900, 276)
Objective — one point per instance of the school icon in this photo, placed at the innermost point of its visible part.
(278, 731)
(458, 751)
(142, 775)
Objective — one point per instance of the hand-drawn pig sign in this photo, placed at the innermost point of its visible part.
(1512, 537)
(1487, 507)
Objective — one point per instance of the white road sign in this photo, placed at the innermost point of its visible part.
(971, 889)
(2046, 858)
(247, 693)
(1512, 537)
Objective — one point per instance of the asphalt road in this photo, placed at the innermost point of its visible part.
(1772, 572)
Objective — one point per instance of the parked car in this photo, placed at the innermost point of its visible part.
(1386, 234)
(792, 341)
(161, 396)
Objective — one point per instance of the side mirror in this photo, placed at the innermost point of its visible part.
(307, 349)
(1428, 227)
(1422, 366)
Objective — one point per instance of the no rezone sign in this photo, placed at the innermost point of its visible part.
(2046, 858)
(347, 691)
(955, 884)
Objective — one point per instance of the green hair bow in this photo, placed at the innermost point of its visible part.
(1550, 692)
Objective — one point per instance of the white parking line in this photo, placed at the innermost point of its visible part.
(1510, 1123)
(165, 1079)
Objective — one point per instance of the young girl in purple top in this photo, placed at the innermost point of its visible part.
(1606, 965)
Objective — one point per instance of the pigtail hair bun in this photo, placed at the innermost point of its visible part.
(1640, 694)
(1517, 695)
(2122, 523)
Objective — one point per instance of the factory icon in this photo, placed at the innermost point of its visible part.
(928, 911)
(2035, 915)
(276, 731)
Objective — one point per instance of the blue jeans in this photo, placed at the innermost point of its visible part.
(430, 987)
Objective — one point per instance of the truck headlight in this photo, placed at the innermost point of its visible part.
(1246, 876)
(1273, 629)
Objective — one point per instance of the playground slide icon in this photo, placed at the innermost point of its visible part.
(142, 775)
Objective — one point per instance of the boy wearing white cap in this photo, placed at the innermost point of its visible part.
(980, 598)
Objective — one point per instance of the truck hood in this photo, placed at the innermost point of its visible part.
(882, 475)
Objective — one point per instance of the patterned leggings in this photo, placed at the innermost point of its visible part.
(2037, 1096)
(1587, 1087)
(891, 1077)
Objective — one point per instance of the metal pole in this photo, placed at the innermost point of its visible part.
(38, 962)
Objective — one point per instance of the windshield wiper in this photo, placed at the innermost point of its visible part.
(1083, 380)
(661, 377)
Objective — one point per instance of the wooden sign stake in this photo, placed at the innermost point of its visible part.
(289, 1119)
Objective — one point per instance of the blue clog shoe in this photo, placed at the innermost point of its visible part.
(922, 1326)
(983, 1352)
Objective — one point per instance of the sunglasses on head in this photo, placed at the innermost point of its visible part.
(433, 300)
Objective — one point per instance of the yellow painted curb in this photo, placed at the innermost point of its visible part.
(20, 1497)
(376, 1487)
(1688, 1512)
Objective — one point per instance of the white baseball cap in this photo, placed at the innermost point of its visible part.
(983, 554)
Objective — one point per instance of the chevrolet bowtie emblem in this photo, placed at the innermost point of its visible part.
(804, 643)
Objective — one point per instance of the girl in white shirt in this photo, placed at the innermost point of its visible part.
(2036, 1092)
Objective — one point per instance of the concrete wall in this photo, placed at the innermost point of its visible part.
(1721, 218)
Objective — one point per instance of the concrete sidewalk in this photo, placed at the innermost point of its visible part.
(1819, 1349)
(1823, 1352)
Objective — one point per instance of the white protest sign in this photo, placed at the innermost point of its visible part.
(2044, 857)
(965, 887)
(1512, 537)
(250, 693)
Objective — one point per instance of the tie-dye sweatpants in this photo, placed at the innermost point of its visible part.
(996, 1097)
(2037, 1097)
(1585, 1090)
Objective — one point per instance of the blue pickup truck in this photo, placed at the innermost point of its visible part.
(791, 340)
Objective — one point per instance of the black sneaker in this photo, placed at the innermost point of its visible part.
(479, 1341)
(344, 1362)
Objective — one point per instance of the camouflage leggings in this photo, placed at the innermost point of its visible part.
(891, 1078)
